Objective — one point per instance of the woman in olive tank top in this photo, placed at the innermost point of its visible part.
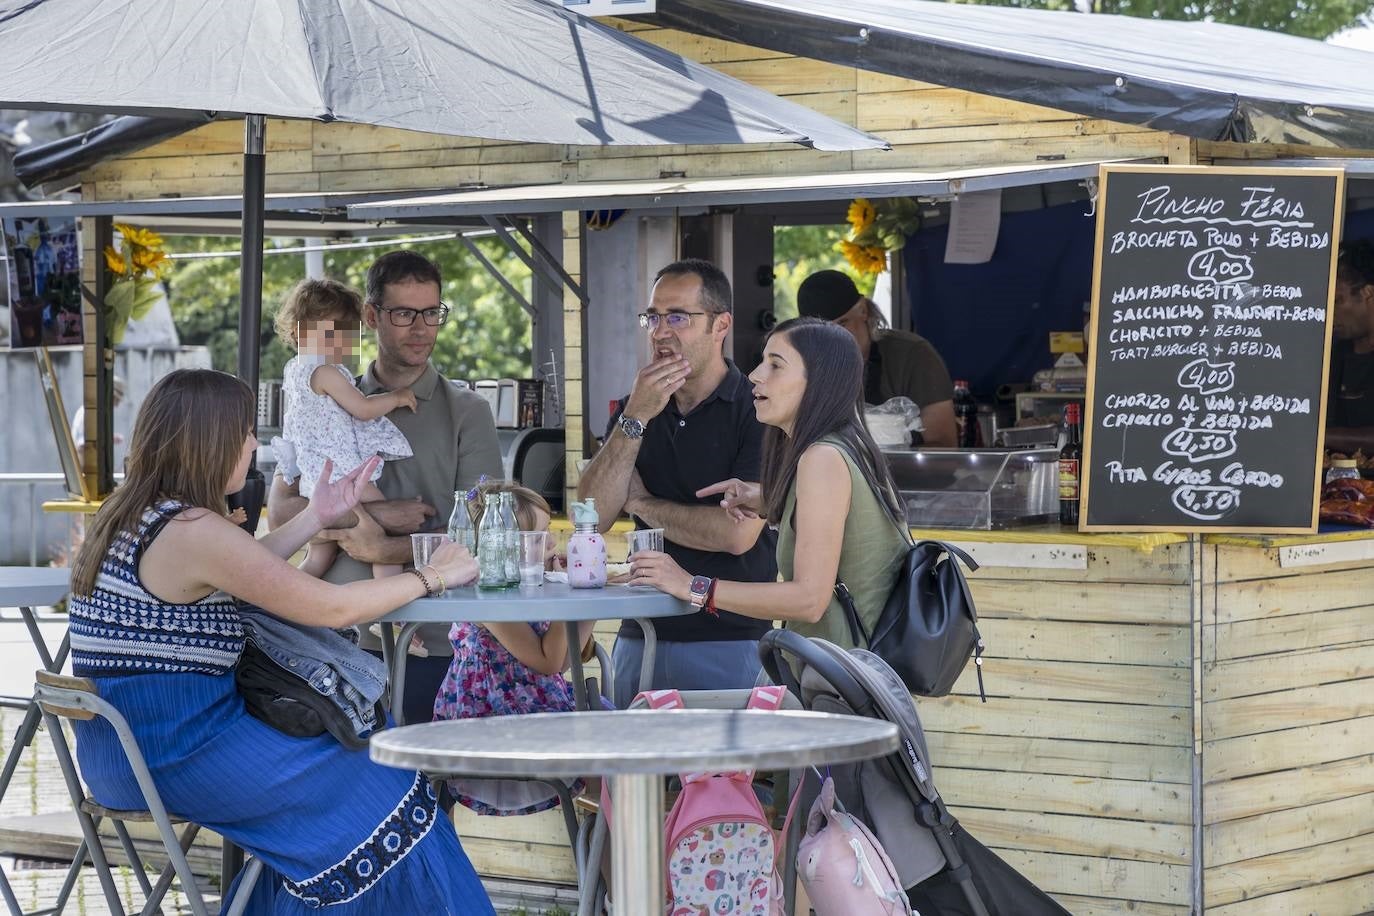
(825, 486)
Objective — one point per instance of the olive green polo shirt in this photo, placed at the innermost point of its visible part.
(453, 437)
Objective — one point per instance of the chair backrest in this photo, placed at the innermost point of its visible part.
(65, 696)
(538, 463)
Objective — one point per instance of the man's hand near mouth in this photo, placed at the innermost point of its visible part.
(654, 385)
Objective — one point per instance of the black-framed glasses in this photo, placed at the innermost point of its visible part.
(404, 318)
(677, 321)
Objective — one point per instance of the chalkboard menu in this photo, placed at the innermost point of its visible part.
(1210, 335)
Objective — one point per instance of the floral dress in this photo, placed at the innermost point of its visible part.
(485, 679)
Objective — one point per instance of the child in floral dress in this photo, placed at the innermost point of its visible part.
(508, 669)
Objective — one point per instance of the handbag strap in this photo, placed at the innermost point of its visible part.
(858, 633)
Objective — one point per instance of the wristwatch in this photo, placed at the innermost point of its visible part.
(700, 588)
(632, 428)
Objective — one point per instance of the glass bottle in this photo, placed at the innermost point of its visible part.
(1070, 468)
(586, 548)
(966, 416)
(1342, 468)
(460, 527)
(510, 530)
(491, 545)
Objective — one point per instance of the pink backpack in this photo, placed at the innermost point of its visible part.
(843, 866)
(721, 854)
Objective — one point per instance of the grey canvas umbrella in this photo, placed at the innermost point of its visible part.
(519, 70)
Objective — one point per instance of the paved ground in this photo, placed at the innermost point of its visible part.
(37, 788)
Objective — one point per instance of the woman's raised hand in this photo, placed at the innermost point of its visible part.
(454, 563)
(332, 500)
(740, 499)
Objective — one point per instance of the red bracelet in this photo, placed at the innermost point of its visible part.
(710, 607)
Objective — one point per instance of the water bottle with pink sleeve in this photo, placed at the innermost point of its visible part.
(586, 548)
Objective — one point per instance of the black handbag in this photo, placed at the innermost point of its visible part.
(928, 628)
(274, 695)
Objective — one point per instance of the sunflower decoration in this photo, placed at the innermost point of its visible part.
(876, 229)
(138, 266)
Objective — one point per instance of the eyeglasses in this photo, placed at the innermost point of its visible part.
(404, 318)
(677, 321)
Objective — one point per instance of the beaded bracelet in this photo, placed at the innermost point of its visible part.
(443, 586)
(429, 590)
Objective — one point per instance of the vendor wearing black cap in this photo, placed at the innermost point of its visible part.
(900, 364)
(1350, 391)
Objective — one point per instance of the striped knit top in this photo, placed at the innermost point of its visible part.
(121, 628)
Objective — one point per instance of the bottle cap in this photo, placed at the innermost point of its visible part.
(960, 383)
(584, 513)
(1344, 463)
(1071, 413)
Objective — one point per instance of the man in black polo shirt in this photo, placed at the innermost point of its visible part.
(1350, 391)
(687, 423)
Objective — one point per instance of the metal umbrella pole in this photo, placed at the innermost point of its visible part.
(253, 494)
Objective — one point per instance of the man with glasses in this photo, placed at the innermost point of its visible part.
(451, 432)
(687, 423)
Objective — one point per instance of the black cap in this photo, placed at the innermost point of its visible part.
(827, 294)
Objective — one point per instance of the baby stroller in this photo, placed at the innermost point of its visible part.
(945, 871)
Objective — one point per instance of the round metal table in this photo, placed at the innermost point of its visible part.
(551, 601)
(634, 749)
(25, 588)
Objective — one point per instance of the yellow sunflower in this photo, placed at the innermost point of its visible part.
(861, 214)
(867, 259)
(133, 235)
(149, 259)
(115, 261)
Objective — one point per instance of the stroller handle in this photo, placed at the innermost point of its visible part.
(776, 644)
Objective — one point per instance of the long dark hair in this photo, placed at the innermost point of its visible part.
(831, 405)
(186, 441)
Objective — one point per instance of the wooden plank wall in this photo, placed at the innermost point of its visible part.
(1288, 753)
(1077, 770)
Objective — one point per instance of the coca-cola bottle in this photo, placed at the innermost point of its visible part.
(966, 416)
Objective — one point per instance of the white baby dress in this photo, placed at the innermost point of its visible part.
(317, 428)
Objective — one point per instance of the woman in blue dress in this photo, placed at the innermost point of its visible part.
(154, 623)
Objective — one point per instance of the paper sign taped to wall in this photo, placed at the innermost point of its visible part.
(974, 219)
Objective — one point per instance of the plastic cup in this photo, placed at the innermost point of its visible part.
(532, 550)
(646, 539)
(422, 546)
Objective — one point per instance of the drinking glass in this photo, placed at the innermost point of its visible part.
(646, 539)
(423, 545)
(532, 551)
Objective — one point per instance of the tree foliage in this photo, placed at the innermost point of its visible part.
(1308, 18)
(487, 334)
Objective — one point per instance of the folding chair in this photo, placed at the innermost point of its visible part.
(590, 847)
(78, 698)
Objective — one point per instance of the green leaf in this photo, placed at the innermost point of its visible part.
(146, 295)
